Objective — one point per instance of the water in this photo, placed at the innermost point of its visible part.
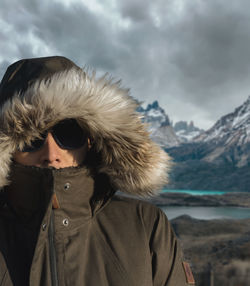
(208, 212)
(195, 192)
(205, 212)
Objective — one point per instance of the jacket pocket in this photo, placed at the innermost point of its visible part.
(119, 275)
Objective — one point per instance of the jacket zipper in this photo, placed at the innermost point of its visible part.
(52, 252)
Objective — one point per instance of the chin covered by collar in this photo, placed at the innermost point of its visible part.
(71, 190)
(35, 94)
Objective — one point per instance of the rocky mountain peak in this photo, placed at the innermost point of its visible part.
(159, 125)
(162, 130)
(186, 131)
(233, 128)
(229, 138)
(154, 105)
(155, 115)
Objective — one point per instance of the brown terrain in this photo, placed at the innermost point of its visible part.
(218, 250)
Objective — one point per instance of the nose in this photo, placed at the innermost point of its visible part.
(51, 153)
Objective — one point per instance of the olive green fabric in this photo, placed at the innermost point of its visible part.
(99, 240)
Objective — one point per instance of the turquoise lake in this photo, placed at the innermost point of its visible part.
(205, 212)
(196, 192)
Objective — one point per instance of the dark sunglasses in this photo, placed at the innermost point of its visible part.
(67, 134)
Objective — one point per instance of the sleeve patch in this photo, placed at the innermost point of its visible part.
(189, 274)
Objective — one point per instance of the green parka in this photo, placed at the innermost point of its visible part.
(67, 226)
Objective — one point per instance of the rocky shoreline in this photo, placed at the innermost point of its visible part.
(234, 199)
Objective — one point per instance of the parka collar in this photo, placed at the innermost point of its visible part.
(78, 195)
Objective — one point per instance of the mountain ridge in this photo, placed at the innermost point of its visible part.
(162, 130)
(219, 158)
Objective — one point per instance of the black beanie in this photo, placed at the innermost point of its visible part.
(21, 74)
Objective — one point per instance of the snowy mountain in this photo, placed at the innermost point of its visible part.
(218, 159)
(186, 132)
(231, 129)
(159, 125)
(155, 115)
(229, 138)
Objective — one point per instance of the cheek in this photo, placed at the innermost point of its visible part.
(25, 158)
(79, 155)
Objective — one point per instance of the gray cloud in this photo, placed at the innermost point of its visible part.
(134, 10)
(192, 56)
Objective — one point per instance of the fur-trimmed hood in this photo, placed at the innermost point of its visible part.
(37, 93)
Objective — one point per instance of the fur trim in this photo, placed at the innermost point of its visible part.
(133, 162)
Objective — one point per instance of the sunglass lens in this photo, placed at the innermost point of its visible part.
(69, 135)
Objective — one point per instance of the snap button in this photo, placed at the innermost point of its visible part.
(66, 186)
(65, 222)
(44, 225)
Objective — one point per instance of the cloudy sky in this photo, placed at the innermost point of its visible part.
(193, 56)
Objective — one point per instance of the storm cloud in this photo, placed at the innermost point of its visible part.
(191, 56)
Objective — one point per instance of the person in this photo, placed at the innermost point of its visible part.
(68, 143)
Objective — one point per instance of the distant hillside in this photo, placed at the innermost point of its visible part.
(219, 158)
(229, 138)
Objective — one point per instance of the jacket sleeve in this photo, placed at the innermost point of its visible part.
(167, 260)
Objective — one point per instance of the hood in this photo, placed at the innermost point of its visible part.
(37, 93)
